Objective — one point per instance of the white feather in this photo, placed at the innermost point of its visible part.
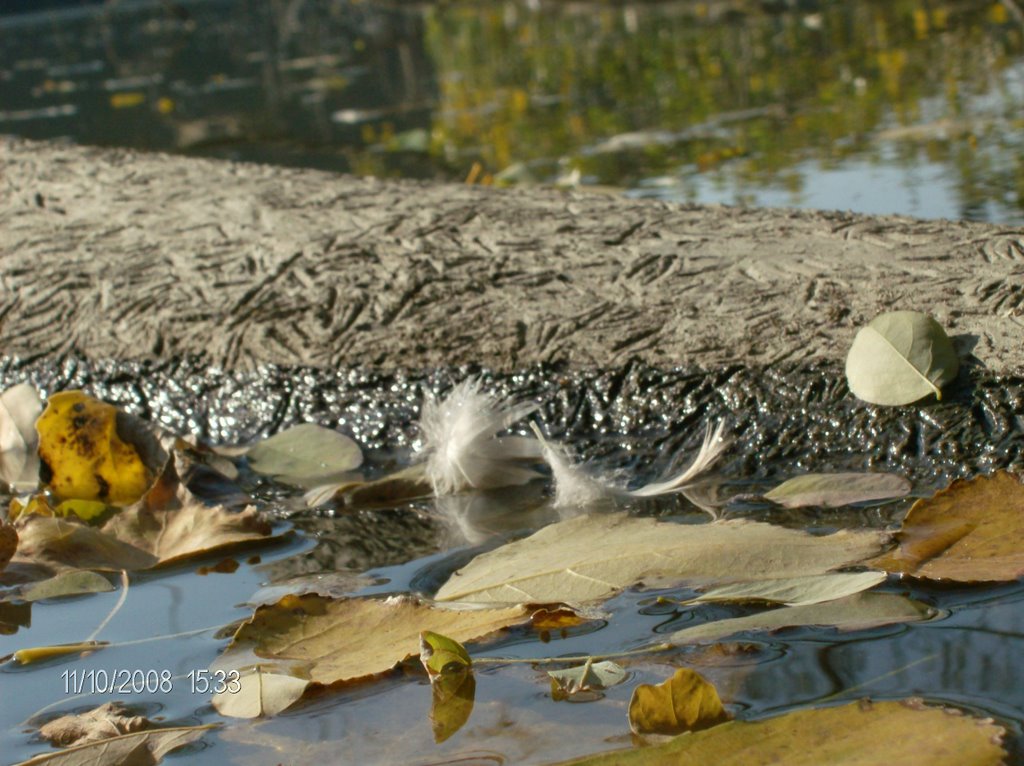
(575, 488)
(460, 443)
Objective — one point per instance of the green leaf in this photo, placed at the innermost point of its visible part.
(71, 583)
(899, 358)
(685, 702)
(306, 455)
(793, 591)
(854, 734)
(857, 612)
(831, 490)
(440, 655)
(588, 558)
(590, 676)
(451, 704)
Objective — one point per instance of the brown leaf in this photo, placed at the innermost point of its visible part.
(8, 543)
(972, 531)
(685, 702)
(103, 722)
(142, 748)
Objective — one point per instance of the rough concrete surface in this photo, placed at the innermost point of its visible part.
(121, 255)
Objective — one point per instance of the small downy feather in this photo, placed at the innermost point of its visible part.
(461, 446)
(575, 488)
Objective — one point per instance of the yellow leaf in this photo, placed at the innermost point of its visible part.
(83, 455)
(451, 704)
(127, 100)
(685, 702)
(972, 531)
(40, 653)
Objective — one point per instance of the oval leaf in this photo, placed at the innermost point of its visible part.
(306, 455)
(972, 531)
(259, 693)
(831, 490)
(899, 358)
(20, 406)
(685, 702)
(793, 591)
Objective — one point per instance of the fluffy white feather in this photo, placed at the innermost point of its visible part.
(575, 488)
(460, 442)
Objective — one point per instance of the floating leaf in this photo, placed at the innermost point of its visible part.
(107, 720)
(588, 677)
(19, 460)
(831, 490)
(84, 456)
(259, 693)
(685, 702)
(900, 357)
(858, 612)
(40, 653)
(793, 591)
(593, 557)
(850, 735)
(387, 491)
(8, 543)
(440, 655)
(74, 582)
(972, 531)
(306, 455)
(332, 641)
(144, 747)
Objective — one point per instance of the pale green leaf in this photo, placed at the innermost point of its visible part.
(71, 583)
(854, 734)
(793, 591)
(588, 558)
(900, 357)
(831, 490)
(858, 612)
(306, 455)
(257, 693)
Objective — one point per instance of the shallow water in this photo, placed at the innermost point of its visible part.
(906, 107)
(784, 421)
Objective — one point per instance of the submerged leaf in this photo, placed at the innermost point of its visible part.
(858, 612)
(832, 490)
(306, 455)
(590, 676)
(74, 582)
(451, 704)
(593, 557)
(685, 702)
(900, 357)
(331, 641)
(140, 748)
(854, 734)
(971, 531)
(84, 455)
(20, 406)
(793, 591)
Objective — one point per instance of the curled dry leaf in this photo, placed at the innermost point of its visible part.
(685, 702)
(20, 406)
(972, 531)
(899, 358)
(906, 732)
(109, 720)
(589, 677)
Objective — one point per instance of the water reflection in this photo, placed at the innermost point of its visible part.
(908, 106)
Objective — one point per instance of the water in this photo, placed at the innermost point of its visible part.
(902, 107)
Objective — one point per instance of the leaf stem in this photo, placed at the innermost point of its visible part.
(582, 658)
(117, 607)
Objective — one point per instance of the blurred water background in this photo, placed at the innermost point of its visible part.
(908, 106)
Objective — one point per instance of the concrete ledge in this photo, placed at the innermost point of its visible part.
(121, 255)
